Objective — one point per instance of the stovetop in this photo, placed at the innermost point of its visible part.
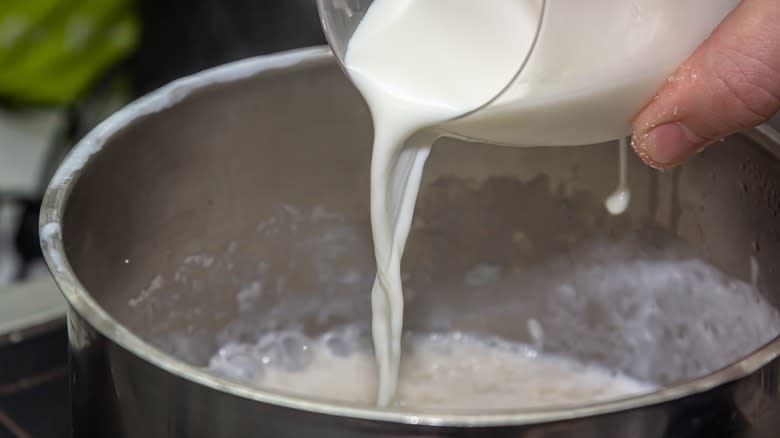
(34, 394)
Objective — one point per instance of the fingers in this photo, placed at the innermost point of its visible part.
(731, 83)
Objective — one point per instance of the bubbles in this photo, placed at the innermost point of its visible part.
(647, 307)
(286, 350)
(658, 316)
(452, 370)
(237, 361)
(662, 316)
(348, 340)
(293, 352)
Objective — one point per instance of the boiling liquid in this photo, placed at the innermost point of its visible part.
(644, 296)
(452, 372)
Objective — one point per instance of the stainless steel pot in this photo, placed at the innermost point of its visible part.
(159, 220)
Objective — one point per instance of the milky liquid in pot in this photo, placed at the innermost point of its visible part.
(442, 372)
(644, 336)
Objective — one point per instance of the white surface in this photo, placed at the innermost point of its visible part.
(29, 304)
(26, 141)
(9, 260)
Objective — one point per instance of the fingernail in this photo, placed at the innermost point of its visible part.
(672, 143)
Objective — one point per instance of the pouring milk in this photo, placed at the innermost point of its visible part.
(428, 67)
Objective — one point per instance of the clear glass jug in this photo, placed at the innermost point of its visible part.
(592, 67)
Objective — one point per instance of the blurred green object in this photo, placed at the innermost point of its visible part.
(52, 51)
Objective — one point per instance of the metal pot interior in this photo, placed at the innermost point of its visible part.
(243, 208)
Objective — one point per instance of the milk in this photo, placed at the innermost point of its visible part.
(645, 336)
(618, 201)
(450, 372)
(428, 68)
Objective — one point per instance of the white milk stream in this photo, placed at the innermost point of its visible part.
(428, 88)
(414, 63)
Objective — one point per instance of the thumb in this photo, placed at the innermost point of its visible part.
(732, 82)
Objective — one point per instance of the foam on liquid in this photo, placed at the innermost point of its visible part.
(644, 297)
(451, 372)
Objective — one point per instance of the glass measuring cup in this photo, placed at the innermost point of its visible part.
(592, 66)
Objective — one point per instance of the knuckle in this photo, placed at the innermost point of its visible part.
(751, 80)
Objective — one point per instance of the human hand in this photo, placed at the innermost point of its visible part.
(732, 82)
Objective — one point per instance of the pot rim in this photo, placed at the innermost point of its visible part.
(80, 301)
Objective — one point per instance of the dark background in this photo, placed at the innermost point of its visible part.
(179, 37)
